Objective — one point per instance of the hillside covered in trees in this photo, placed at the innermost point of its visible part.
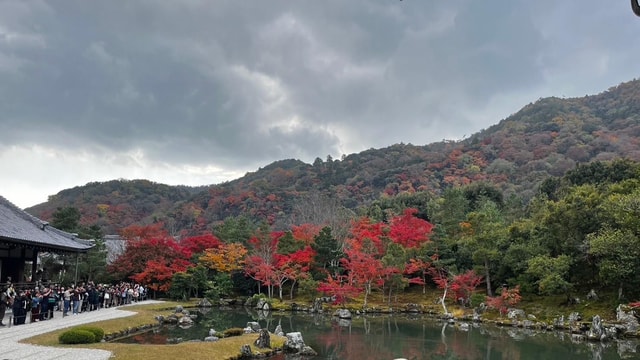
(544, 139)
(579, 234)
(545, 202)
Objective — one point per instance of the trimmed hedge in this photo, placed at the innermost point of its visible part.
(96, 331)
(233, 332)
(75, 336)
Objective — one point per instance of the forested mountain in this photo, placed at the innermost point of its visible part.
(544, 139)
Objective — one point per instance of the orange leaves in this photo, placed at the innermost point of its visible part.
(466, 228)
(225, 258)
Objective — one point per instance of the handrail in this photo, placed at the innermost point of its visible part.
(635, 7)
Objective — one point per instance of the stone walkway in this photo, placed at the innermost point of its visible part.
(11, 349)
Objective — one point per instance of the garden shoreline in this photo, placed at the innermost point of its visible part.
(12, 349)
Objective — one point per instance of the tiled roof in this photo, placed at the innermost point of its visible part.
(18, 226)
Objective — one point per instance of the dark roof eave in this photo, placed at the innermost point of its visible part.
(82, 249)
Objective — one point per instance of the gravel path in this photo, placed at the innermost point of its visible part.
(11, 349)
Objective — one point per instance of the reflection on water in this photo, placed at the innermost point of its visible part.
(393, 336)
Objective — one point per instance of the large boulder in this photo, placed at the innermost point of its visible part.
(263, 305)
(574, 317)
(278, 331)
(515, 314)
(308, 351)
(185, 322)
(343, 314)
(204, 303)
(596, 333)
(412, 308)
(317, 306)
(559, 322)
(626, 316)
(252, 327)
(263, 340)
(245, 352)
(294, 343)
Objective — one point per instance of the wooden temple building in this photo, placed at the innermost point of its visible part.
(23, 237)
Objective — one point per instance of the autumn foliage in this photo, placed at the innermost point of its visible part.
(375, 256)
(508, 298)
(152, 257)
(464, 285)
(224, 258)
(408, 230)
(340, 288)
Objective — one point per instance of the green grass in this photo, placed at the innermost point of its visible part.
(224, 349)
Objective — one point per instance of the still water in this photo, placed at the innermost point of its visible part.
(414, 337)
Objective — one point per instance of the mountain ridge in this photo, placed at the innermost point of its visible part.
(544, 138)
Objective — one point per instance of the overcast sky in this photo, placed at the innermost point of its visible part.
(200, 92)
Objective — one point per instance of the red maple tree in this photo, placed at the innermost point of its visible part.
(293, 267)
(409, 230)
(508, 297)
(463, 286)
(198, 244)
(418, 270)
(338, 287)
(364, 269)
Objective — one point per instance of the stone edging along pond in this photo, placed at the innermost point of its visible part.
(626, 325)
(294, 343)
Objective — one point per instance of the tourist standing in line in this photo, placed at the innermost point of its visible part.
(76, 296)
(35, 306)
(66, 301)
(44, 304)
(106, 298)
(20, 308)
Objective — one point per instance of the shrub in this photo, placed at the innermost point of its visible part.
(74, 336)
(96, 331)
(308, 288)
(477, 299)
(233, 332)
(253, 301)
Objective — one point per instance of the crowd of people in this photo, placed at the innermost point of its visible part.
(42, 301)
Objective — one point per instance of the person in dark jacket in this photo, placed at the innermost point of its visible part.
(20, 308)
(93, 297)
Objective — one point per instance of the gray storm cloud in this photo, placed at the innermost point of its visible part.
(224, 83)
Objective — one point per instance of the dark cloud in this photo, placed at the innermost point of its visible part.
(236, 85)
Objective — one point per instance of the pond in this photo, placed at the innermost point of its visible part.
(394, 336)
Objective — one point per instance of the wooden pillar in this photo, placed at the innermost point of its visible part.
(34, 265)
(23, 260)
(75, 278)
